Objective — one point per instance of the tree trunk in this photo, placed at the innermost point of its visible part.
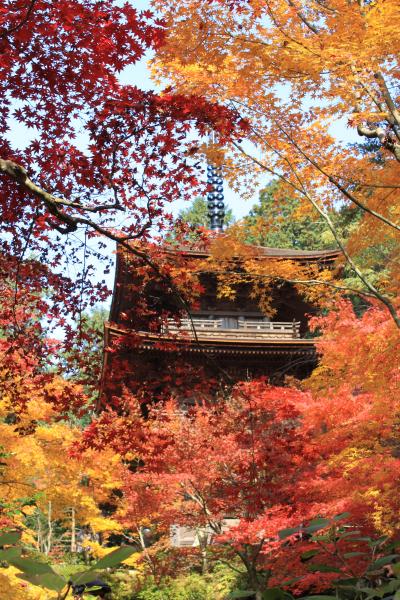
(39, 533)
(146, 553)
(254, 581)
(49, 540)
(204, 561)
(73, 530)
(203, 543)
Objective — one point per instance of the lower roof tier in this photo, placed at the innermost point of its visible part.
(204, 343)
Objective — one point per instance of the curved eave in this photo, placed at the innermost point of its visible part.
(259, 252)
(150, 341)
(264, 252)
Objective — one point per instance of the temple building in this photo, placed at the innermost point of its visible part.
(218, 340)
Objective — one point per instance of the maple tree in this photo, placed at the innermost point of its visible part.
(47, 494)
(277, 220)
(183, 477)
(358, 436)
(233, 262)
(266, 459)
(294, 70)
(101, 159)
(273, 457)
(37, 466)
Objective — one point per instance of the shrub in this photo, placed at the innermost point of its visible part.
(214, 586)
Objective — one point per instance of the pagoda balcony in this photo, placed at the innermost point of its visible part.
(242, 329)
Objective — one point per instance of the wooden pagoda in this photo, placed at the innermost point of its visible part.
(217, 340)
(218, 336)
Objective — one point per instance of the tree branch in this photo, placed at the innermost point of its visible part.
(337, 184)
(305, 282)
(331, 178)
(21, 23)
(52, 203)
(380, 134)
(328, 221)
(388, 99)
(303, 18)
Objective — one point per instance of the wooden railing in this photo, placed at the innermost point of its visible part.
(246, 329)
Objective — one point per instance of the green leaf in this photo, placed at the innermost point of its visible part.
(291, 581)
(12, 537)
(284, 533)
(379, 541)
(10, 553)
(321, 597)
(365, 590)
(346, 534)
(319, 521)
(342, 516)
(382, 590)
(84, 576)
(396, 569)
(30, 567)
(397, 595)
(351, 554)
(381, 562)
(241, 594)
(393, 545)
(114, 558)
(348, 583)
(273, 594)
(323, 569)
(309, 554)
(50, 581)
(317, 524)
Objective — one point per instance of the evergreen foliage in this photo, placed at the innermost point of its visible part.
(276, 221)
(196, 215)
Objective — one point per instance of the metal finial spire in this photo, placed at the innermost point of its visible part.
(215, 197)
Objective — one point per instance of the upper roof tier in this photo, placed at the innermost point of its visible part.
(264, 251)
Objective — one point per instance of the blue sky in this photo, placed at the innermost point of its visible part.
(21, 136)
(139, 75)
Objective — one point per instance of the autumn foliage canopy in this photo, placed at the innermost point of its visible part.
(87, 160)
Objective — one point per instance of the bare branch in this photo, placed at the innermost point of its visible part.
(19, 174)
(388, 99)
(380, 134)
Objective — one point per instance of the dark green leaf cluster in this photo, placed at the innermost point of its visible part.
(196, 215)
(43, 575)
(273, 222)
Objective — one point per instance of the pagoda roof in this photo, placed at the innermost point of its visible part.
(144, 340)
(264, 251)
